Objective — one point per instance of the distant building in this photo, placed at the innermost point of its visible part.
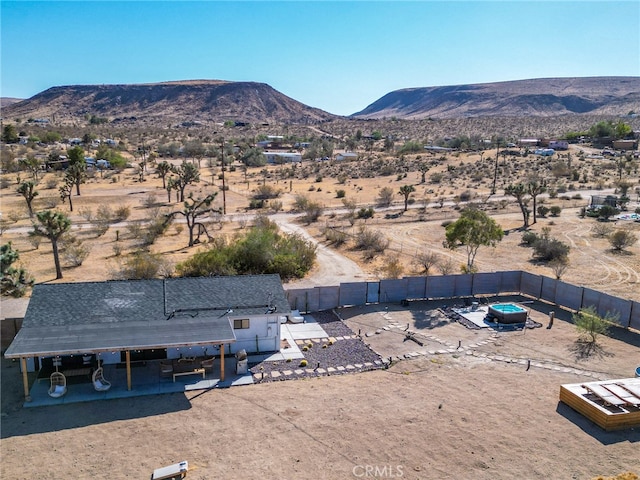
(559, 144)
(283, 157)
(625, 144)
(347, 156)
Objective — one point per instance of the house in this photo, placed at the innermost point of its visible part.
(139, 320)
(559, 144)
(625, 144)
(347, 156)
(283, 157)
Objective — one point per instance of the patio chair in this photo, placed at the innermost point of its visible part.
(166, 369)
(207, 363)
(99, 382)
(58, 385)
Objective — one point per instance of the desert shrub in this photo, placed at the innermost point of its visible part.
(602, 230)
(264, 192)
(372, 242)
(546, 249)
(335, 236)
(143, 265)
(605, 212)
(529, 238)
(555, 211)
(255, 204)
(275, 205)
(591, 325)
(392, 267)
(312, 212)
(385, 196)
(340, 193)
(621, 239)
(121, 213)
(73, 251)
(365, 213)
(542, 211)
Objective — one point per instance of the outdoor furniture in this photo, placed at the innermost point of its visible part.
(207, 363)
(197, 371)
(99, 382)
(177, 470)
(58, 385)
(166, 369)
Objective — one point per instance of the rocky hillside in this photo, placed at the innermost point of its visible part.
(538, 97)
(204, 101)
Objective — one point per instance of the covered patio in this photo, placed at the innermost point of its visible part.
(146, 380)
(129, 327)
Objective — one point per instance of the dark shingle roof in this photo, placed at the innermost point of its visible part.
(119, 315)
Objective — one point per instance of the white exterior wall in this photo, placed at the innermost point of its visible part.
(263, 334)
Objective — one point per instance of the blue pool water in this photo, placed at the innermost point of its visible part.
(507, 308)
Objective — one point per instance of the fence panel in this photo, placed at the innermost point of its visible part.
(441, 287)
(510, 281)
(615, 305)
(548, 290)
(393, 290)
(353, 293)
(299, 298)
(463, 285)
(568, 295)
(486, 283)
(590, 298)
(530, 284)
(416, 287)
(328, 297)
(634, 321)
(373, 292)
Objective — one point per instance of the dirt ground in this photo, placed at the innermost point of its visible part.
(475, 413)
(472, 413)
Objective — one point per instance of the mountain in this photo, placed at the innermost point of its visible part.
(202, 101)
(6, 101)
(538, 97)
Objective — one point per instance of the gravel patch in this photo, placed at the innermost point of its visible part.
(323, 357)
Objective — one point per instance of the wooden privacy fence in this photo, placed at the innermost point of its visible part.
(540, 287)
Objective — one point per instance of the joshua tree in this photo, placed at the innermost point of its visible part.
(193, 209)
(27, 190)
(406, 191)
(52, 225)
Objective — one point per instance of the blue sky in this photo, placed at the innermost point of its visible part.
(337, 56)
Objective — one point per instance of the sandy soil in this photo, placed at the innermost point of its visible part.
(461, 415)
(476, 414)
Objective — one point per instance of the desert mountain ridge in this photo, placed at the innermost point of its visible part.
(211, 101)
(542, 97)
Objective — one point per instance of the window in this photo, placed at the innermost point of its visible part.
(241, 323)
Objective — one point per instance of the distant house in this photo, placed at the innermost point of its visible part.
(347, 156)
(625, 144)
(140, 320)
(559, 144)
(283, 157)
(528, 142)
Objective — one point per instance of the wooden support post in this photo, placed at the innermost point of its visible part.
(25, 378)
(222, 362)
(128, 361)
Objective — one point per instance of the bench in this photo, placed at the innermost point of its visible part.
(199, 371)
(177, 470)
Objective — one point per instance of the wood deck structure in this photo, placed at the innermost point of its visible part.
(610, 404)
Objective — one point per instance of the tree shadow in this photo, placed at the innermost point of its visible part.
(583, 349)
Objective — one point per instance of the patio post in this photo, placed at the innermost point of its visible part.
(25, 378)
(128, 361)
(222, 362)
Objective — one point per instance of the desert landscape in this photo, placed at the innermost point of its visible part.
(468, 403)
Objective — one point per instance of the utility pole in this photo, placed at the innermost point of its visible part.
(224, 187)
(495, 169)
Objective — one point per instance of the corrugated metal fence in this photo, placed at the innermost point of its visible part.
(455, 286)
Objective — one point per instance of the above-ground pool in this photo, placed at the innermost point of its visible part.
(508, 313)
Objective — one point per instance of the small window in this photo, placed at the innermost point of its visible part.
(241, 323)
